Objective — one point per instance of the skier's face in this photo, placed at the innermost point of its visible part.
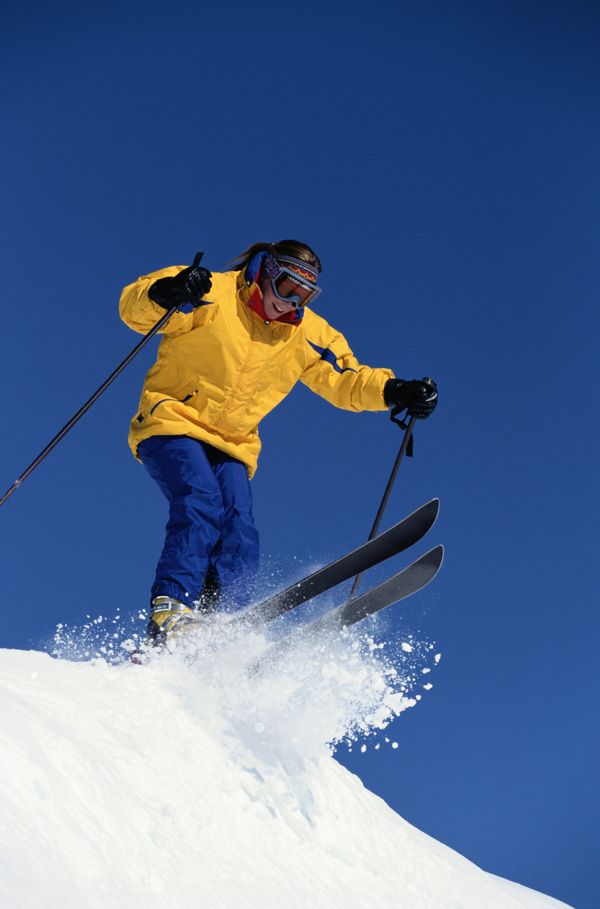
(274, 307)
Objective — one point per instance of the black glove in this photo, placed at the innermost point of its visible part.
(189, 286)
(419, 397)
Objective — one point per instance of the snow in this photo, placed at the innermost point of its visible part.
(189, 782)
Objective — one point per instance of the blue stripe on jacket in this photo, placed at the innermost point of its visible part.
(328, 355)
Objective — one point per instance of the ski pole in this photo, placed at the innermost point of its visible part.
(388, 490)
(57, 438)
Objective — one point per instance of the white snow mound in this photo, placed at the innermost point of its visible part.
(190, 784)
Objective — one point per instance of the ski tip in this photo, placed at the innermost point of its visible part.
(426, 513)
(432, 560)
(431, 508)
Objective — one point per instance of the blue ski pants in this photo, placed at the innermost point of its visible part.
(211, 539)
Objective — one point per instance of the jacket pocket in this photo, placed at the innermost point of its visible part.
(153, 399)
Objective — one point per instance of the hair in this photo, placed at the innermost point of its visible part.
(291, 248)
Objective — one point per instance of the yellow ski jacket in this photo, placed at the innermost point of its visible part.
(221, 368)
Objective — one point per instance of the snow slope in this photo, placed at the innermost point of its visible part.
(184, 782)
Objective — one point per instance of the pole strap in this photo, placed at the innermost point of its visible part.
(403, 425)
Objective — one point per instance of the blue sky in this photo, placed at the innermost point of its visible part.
(442, 159)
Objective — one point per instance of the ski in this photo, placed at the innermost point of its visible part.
(411, 579)
(389, 543)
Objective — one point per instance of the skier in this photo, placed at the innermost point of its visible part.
(235, 347)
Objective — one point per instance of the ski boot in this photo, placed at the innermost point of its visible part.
(168, 617)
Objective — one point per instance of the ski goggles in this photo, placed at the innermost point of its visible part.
(292, 281)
